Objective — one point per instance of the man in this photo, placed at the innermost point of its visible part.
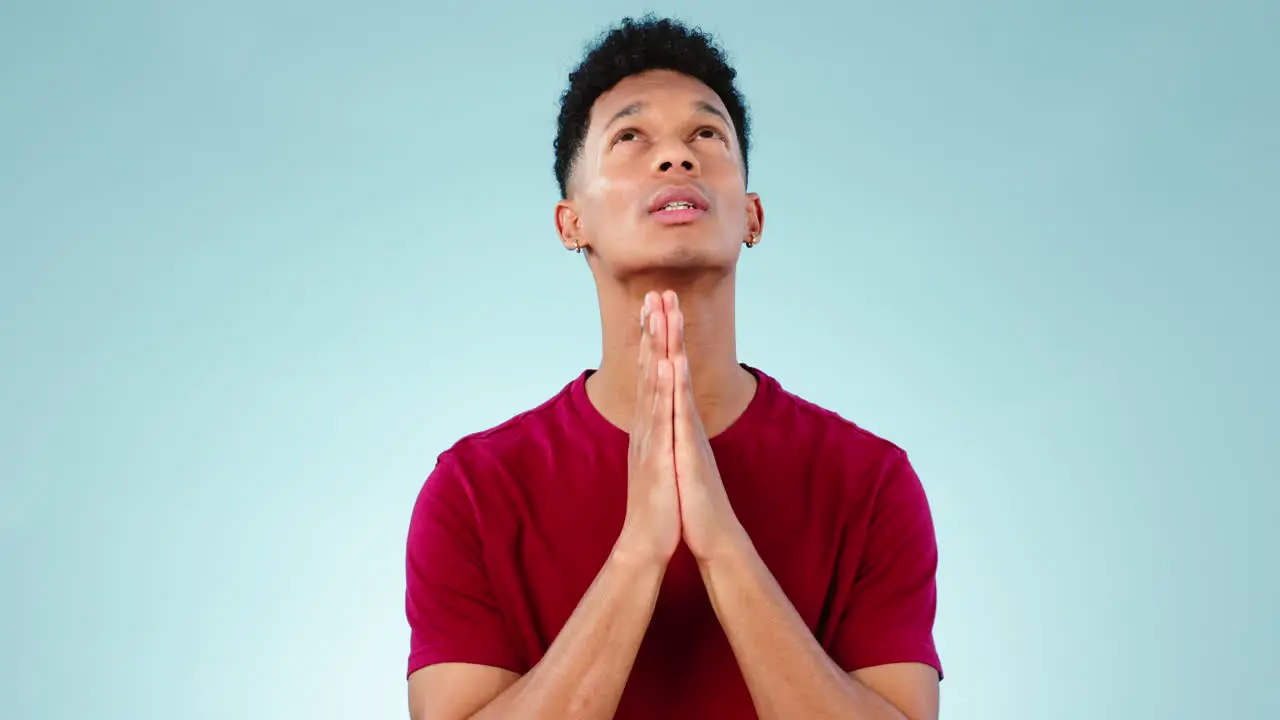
(672, 535)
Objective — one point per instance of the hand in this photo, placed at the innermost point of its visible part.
(708, 523)
(651, 530)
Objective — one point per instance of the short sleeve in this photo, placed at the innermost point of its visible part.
(449, 602)
(889, 614)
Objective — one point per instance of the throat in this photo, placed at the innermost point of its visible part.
(721, 393)
(722, 388)
(726, 400)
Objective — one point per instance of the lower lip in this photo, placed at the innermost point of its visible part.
(677, 217)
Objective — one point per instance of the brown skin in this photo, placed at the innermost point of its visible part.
(671, 140)
(670, 370)
(583, 673)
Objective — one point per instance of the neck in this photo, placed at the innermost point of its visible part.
(722, 388)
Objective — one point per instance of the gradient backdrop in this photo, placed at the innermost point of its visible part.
(262, 261)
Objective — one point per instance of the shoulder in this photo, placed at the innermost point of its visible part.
(857, 464)
(494, 457)
(478, 470)
(872, 475)
(514, 438)
(832, 431)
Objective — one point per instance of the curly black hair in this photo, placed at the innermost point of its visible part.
(632, 47)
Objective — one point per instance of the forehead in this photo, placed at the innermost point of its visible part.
(664, 90)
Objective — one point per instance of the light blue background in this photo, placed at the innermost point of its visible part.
(262, 261)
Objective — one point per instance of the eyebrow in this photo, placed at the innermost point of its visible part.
(632, 109)
(706, 107)
(635, 108)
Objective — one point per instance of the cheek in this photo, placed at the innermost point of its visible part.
(734, 218)
(731, 194)
(608, 209)
(715, 151)
(614, 195)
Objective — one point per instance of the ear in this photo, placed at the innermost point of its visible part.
(755, 217)
(569, 225)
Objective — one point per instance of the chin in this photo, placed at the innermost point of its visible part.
(681, 260)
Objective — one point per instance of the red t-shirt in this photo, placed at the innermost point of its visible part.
(514, 524)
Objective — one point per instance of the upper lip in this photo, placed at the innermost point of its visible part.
(681, 193)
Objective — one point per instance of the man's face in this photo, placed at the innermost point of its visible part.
(659, 183)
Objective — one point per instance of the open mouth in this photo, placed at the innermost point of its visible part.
(677, 213)
(678, 205)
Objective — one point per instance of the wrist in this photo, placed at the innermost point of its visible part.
(635, 554)
(731, 545)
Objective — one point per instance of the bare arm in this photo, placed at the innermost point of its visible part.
(584, 671)
(787, 671)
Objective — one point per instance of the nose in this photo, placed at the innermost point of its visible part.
(675, 155)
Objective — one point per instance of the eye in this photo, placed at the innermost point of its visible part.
(710, 133)
(625, 136)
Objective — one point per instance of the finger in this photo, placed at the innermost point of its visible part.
(658, 317)
(675, 325)
(663, 430)
(681, 398)
(661, 418)
(688, 424)
(645, 369)
(684, 412)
